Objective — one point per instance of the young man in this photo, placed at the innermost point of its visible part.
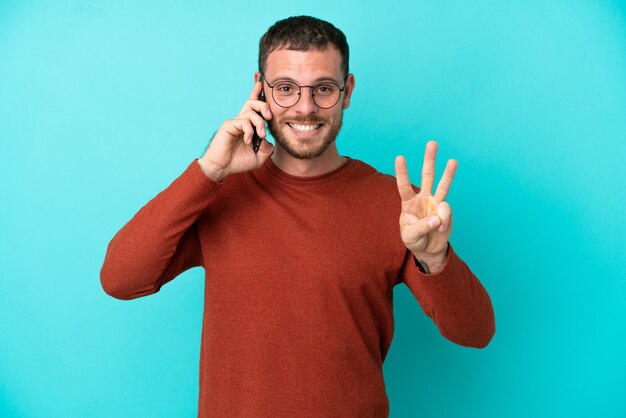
(301, 246)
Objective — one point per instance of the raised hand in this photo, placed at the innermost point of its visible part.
(426, 219)
(230, 150)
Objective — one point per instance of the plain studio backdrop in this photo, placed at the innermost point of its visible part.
(104, 103)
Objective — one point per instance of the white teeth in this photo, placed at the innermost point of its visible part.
(304, 128)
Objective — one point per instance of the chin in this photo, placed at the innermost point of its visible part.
(304, 148)
(310, 154)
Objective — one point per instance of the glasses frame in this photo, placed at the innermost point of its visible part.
(341, 89)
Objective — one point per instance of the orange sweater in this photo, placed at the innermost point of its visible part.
(299, 275)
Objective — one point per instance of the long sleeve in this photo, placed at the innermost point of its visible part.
(161, 240)
(455, 300)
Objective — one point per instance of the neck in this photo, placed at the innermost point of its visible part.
(328, 161)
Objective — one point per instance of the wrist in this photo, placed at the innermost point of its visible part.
(211, 170)
(431, 263)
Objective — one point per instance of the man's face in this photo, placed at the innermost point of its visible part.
(305, 130)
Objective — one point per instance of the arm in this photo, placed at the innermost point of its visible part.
(161, 240)
(455, 300)
(444, 286)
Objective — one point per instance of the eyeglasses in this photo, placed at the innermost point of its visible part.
(287, 93)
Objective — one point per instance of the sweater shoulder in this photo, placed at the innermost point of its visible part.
(371, 177)
(381, 181)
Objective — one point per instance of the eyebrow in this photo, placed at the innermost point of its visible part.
(317, 80)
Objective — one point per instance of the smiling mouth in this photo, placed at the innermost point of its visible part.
(304, 128)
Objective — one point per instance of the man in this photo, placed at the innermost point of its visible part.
(300, 245)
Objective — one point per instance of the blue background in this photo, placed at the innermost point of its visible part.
(104, 103)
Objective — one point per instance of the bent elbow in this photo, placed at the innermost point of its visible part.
(113, 291)
(475, 338)
(488, 331)
(483, 329)
(483, 340)
(112, 287)
(119, 285)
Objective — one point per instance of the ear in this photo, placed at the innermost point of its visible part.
(257, 76)
(347, 93)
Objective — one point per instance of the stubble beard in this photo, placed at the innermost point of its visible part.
(304, 149)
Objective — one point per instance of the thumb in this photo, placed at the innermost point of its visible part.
(265, 150)
(256, 90)
(421, 226)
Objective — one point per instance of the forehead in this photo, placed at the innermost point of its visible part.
(304, 65)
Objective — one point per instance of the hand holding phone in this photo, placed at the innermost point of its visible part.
(229, 149)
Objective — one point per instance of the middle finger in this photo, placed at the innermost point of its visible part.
(428, 169)
(446, 180)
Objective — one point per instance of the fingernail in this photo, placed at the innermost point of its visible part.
(268, 113)
(432, 222)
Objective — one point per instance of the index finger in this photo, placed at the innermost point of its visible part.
(254, 103)
(256, 90)
(402, 179)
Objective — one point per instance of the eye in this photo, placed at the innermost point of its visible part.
(325, 89)
(285, 88)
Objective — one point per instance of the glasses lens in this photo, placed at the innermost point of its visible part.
(326, 95)
(286, 93)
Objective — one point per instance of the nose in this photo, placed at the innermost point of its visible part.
(305, 103)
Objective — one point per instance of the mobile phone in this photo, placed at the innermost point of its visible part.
(256, 139)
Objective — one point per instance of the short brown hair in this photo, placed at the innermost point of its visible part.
(303, 33)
